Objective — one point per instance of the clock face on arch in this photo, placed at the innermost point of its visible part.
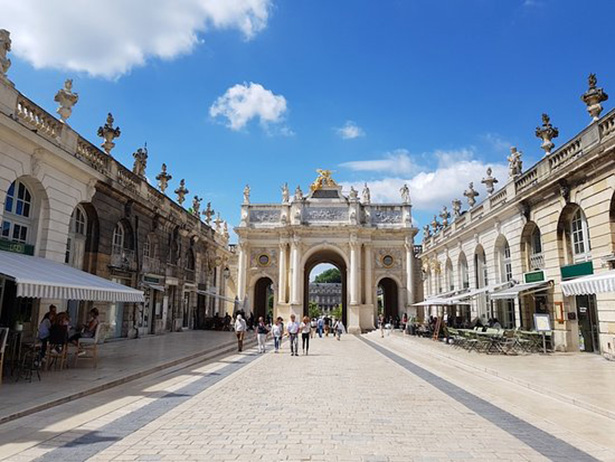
(388, 261)
(264, 260)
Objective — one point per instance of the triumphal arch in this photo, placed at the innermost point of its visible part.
(372, 245)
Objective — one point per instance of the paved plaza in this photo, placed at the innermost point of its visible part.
(363, 398)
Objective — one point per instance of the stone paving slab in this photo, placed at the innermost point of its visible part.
(583, 379)
(343, 402)
(118, 362)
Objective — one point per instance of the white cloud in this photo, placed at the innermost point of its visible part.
(430, 189)
(244, 102)
(396, 161)
(108, 38)
(350, 131)
(497, 142)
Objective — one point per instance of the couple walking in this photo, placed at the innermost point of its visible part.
(292, 332)
(261, 329)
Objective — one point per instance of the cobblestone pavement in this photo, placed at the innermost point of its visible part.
(353, 400)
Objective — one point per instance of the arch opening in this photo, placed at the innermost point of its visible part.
(388, 299)
(263, 299)
(330, 294)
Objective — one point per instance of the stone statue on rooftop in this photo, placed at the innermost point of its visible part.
(181, 191)
(246, 194)
(445, 215)
(163, 179)
(209, 212)
(196, 205)
(405, 194)
(366, 195)
(298, 194)
(456, 208)
(426, 232)
(67, 99)
(471, 194)
(489, 181)
(5, 48)
(354, 195)
(285, 194)
(515, 164)
(140, 163)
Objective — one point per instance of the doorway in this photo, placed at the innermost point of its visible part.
(263, 299)
(388, 298)
(589, 338)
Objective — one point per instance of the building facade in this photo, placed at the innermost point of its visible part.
(371, 244)
(528, 247)
(66, 200)
(327, 295)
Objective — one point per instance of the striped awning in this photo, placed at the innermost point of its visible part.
(592, 284)
(515, 291)
(42, 278)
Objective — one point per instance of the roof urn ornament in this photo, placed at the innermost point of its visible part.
(515, 164)
(5, 47)
(196, 205)
(109, 133)
(546, 133)
(225, 232)
(218, 223)
(140, 164)
(285, 194)
(181, 191)
(405, 194)
(246, 194)
(209, 212)
(426, 232)
(163, 179)
(471, 194)
(445, 215)
(435, 224)
(489, 182)
(67, 99)
(366, 196)
(456, 208)
(298, 193)
(593, 97)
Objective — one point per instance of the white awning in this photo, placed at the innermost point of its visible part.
(592, 284)
(514, 291)
(432, 302)
(210, 294)
(42, 278)
(458, 299)
(157, 287)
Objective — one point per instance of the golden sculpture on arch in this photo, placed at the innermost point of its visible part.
(324, 180)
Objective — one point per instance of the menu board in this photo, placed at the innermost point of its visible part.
(542, 322)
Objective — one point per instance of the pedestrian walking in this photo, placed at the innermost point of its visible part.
(240, 330)
(261, 334)
(277, 331)
(327, 322)
(314, 325)
(339, 329)
(321, 326)
(292, 330)
(381, 325)
(306, 332)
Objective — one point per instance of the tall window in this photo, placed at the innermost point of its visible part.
(18, 212)
(463, 272)
(450, 282)
(506, 270)
(480, 264)
(118, 239)
(75, 244)
(536, 242)
(147, 248)
(579, 237)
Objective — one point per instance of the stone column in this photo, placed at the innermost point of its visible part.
(354, 270)
(369, 286)
(295, 286)
(409, 271)
(282, 280)
(242, 272)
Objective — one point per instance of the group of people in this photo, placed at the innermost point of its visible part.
(307, 328)
(55, 329)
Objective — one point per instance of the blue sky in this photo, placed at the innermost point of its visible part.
(424, 92)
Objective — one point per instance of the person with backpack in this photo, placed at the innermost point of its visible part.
(338, 329)
(261, 334)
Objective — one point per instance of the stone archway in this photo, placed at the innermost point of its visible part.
(263, 289)
(390, 297)
(334, 258)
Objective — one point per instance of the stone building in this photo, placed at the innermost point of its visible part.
(327, 295)
(543, 243)
(70, 202)
(371, 244)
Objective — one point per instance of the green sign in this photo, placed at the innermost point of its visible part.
(152, 280)
(574, 271)
(534, 276)
(16, 247)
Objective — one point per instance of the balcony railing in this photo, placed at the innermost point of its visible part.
(123, 259)
(537, 261)
(151, 265)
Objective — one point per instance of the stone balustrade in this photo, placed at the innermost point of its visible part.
(37, 118)
(499, 198)
(93, 156)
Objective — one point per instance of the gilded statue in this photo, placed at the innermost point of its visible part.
(324, 180)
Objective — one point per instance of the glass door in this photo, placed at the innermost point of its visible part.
(589, 339)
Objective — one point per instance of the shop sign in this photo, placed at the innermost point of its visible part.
(16, 247)
(534, 276)
(153, 280)
(574, 271)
